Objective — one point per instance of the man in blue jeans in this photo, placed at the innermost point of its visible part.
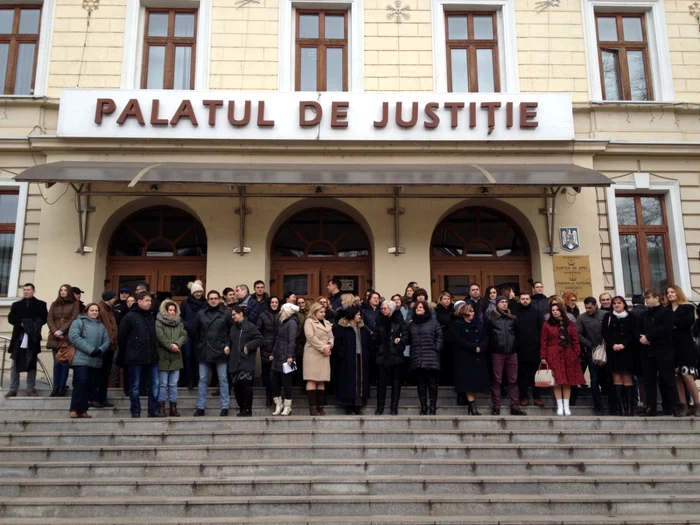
(212, 327)
(137, 339)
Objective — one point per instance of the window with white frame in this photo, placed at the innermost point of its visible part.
(646, 221)
(13, 198)
(321, 45)
(627, 50)
(474, 46)
(167, 44)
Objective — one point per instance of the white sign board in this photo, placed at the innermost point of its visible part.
(167, 114)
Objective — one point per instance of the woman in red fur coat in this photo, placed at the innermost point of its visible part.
(559, 349)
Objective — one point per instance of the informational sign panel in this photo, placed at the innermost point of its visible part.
(170, 114)
(572, 273)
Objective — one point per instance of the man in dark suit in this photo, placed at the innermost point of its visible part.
(26, 316)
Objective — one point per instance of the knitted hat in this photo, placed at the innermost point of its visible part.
(196, 286)
(390, 304)
(108, 295)
(290, 308)
(459, 304)
(501, 298)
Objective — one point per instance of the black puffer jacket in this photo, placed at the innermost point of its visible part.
(137, 337)
(499, 332)
(390, 329)
(285, 343)
(244, 335)
(426, 342)
(268, 323)
(211, 329)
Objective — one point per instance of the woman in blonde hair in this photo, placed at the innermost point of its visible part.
(685, 357)
(317, 353)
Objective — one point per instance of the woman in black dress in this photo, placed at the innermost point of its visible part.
(619, 334)
(471, 363)
(684, 354)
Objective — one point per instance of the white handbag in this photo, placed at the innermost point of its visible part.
(544, 377)
(599, 355)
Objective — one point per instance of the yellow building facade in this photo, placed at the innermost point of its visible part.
(609, 177)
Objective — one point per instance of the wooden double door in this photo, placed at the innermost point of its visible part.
(456, 276)
(309, 278)
(160, 275)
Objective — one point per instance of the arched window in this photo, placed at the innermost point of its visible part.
(478, 233)
(320, 233)
(159, 232)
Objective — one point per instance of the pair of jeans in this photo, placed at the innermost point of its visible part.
(222, 373)
(14, 378)
(526, 378)
(83, 383)
(135, 387)
(509, 363)
(280, 380)
(168, 382)
(101, 378)
(60, 371)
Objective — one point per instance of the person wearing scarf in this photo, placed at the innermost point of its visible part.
(619, 334)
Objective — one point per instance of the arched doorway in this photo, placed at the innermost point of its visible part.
(163, 246)
(315, 246)
(478, 245)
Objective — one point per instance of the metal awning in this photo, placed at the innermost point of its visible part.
(132, 173)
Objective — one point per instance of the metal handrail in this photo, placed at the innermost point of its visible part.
(6, 342)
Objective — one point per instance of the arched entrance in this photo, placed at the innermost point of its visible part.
(316, 245)
(163, 246)
(478, 245)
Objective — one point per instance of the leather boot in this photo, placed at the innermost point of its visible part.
(433, 389)
(395, 396)
(313, 404)
(173, 410)
(422, 397)
(629, 399)
(471, 409)
(321, 400)
(162, 407)
(462, 399)
(249, 402)
(381, 396)
(279, 406)
(619, 393)
(61, 391)
(54, 392)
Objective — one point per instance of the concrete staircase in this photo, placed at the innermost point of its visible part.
(446, 469)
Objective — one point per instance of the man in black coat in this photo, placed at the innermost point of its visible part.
(26, 316)
(528, 334)
(656, 339)
(334, 291)
(211, 330)
(500, 339)
(248, 302)
(539, 300)
(138, 344)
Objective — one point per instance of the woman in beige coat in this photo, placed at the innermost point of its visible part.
(317, 353)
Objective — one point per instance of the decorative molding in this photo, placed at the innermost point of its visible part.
(657, 36)
(544, 4)
(91, 5)
(507, 44)
(694, 10)
(398, 12)
(676, 230)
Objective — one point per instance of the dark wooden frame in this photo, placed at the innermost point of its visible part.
(170, 42)
(14, 39)
(8, 227)
(640, 230)
(471, 45)
(621, 47)
(321, 44)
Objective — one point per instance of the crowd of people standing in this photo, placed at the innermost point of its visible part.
(343, 343)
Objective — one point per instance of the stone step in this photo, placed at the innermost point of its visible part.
(434, 424)
(148, 437)
(284, 449)
(303, 468)
(351, 505)
(399, 519)
(328, 485)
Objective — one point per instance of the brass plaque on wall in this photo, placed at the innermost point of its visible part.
(572, 273)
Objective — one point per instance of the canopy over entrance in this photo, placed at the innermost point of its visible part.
(132, 173)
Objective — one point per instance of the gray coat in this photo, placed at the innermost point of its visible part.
(285, 343)
(590, 329)
(426, 343)
(88, 335)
